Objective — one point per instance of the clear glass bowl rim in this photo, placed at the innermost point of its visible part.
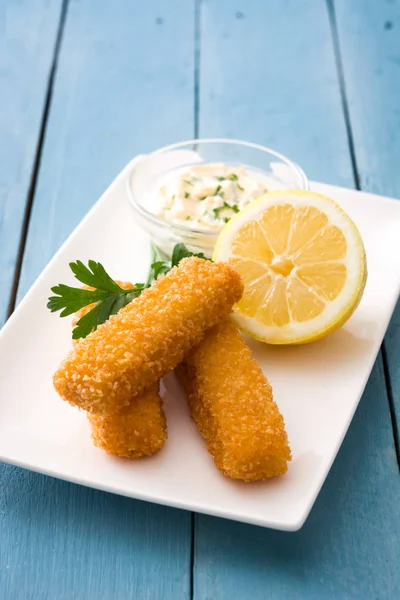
(181, 229)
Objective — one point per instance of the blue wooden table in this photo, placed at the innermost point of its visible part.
(84, 86)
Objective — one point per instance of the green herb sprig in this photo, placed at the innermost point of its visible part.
(107, 295)
(231, 177)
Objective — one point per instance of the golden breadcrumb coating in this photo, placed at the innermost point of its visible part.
(231, 402)
(147, 338)
(139, 429)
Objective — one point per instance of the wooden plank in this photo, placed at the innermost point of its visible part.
(266, 79)
(124, 84)
(28, 34)
(59, 540)
(268, 73)
(369, 40)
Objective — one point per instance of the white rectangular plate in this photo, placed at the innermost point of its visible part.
(317, 387)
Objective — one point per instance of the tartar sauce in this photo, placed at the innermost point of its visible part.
(206, 196)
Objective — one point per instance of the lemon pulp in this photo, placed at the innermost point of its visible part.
(302, 262)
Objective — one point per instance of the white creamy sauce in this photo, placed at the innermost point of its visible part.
(206, 196)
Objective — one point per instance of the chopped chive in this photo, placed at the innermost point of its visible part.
(188, 181)
(224, 206)
(173, 197)
(233, 177)
(226, 219)
(221, 178)
(240, 188)
(187, 194)
(217, 190)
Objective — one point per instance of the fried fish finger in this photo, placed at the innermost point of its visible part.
(232, 405)
(139, 429)
(147, 338)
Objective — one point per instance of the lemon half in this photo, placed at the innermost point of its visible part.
(303, 264)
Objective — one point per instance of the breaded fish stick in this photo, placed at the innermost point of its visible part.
(139, 429)
(147, 338)
(231, 403)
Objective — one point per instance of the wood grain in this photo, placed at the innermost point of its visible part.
(369, 40)
(124, 85)
(28, 33)
(59, 540)
(268, 73)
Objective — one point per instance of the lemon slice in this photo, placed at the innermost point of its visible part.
(303, 265)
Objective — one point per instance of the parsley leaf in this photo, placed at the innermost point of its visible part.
(180, 251)
(107, 296)
(93, 318)
(158, 254)
(94, 275)
(70, 300)
(160, 263)
(157, 268)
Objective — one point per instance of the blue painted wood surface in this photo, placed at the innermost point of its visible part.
(123, 85)
(369, 39)
(28, 34)
(62, 541)
(268, 74)
(126, 82)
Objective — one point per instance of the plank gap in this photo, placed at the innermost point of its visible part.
(392, 409)
(192, 553)
(36, 163)
(197, 33)
(342, 89)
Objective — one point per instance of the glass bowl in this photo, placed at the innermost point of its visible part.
(147, 171)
